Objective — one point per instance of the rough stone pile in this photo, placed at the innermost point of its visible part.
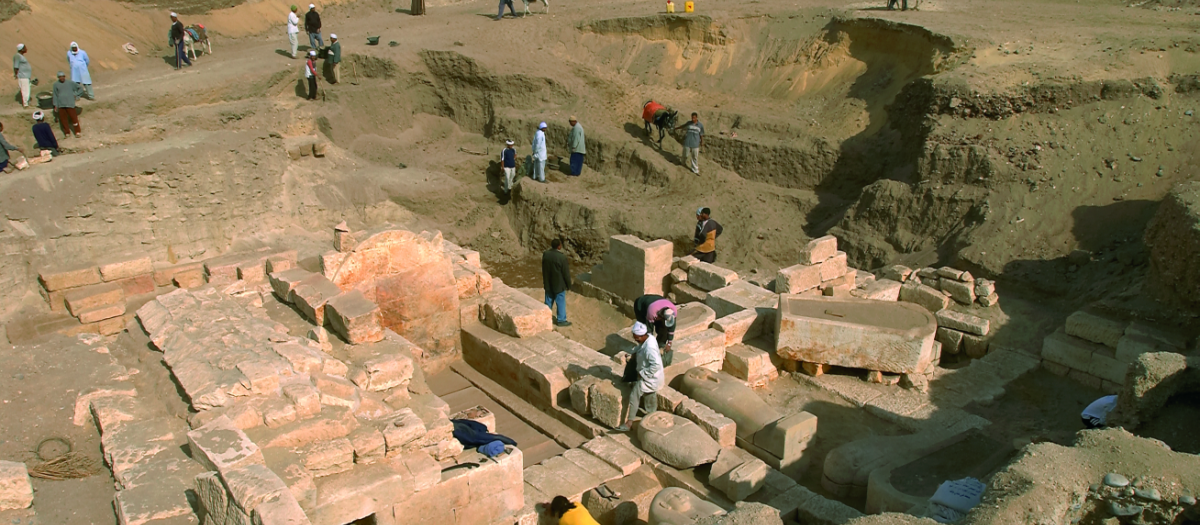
(96, 294)
(1096, 348)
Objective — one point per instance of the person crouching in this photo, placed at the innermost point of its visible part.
(649, 377)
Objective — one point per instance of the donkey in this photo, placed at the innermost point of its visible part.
(544, 2)
(661, 116)
(196, 35)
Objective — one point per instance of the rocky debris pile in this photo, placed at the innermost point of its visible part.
(302, 147)
(1096, 347)
(822, 270)
(1173, 239)
(1132, 501)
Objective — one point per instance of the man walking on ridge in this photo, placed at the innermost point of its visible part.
(23, 72)
(576, 144)
(79, 61)
(539, 154)
(312, 25)
(556, 280)
(181, 57)
(707, 231)
(508, 165)
(693, 139)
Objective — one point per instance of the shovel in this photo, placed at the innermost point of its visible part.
(355, 65)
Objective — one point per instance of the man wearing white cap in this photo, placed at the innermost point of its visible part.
(310, 73)
(335, 57)
(44, 134)
(78, 59)
(650, 377)
(181, 57)
(64, 96)
(312, 25)
(508, 164)
(539, 154)
(293, 29)
(22, 71)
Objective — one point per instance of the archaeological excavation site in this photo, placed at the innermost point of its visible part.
(937, 262)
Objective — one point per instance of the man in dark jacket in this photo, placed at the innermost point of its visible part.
(312, 24)
(707, 231)
(44, 134)
(556, 280)
(335, 58)
(659, 314)
(181, 57)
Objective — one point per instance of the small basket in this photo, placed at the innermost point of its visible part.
(45, 100)
(373, 40)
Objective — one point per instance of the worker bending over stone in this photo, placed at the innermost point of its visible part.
(659, 315)
(649, 376)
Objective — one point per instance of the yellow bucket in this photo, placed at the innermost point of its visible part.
(689, 6)
(670, 6)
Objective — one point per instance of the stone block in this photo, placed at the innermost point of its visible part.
(276, 412)
(984, 287)
(101, 313)
(893, 337)
(494, 508)
(383, 372)
(676, 441)
(332, 422)
(281, 262)
(709, 277)
(1129, 347)
(305, 397)
(686, 293)
(705, 348)
(669, 399)
(862, 279)
(610, 451)
(880, 290)
(693, 318)
(153, 503)
(251, 485)
(125, 267)
(325, 458)
(722, 429)
(56, 280)
(607, 403)
(355, 318)
(739, 327)
(819, 250)
(750, 364)
(738, 474)
(402, 429)
(283, 510)
(337, 391)
(136, 285)
(947, 272)
(740, 296)
(633, 267)
(93, 296)
(479, 414)
(951, 340)
(16, 492)
(224, 269)
(284, 282)
(678, 275)
(963, 322)
(787, 437)
(988, 300)
(834, 267)
(897, 273)
(1095, 328)
(592, 464)
(798, 278)
(221, 446)
(310, 296)
(189, 279)
(424, 470)
(636, 491)
(962, 293)
(513, 313)
(929, 298)
(976, 346)
(1168, 340)
(581, 394)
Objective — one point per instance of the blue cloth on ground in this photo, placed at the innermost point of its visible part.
(474, 434)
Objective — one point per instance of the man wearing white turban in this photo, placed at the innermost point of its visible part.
(78, 59)
(650, 376)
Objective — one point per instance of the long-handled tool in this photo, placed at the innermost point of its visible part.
(355, 65)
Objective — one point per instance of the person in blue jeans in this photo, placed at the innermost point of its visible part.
(556, 280)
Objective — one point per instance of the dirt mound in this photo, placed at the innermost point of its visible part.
(192, 7)
(10, 8)
(1173, 237)
(680, 28)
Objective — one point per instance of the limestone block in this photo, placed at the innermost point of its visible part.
(281, 262)
(984, 287)
(153, 503)
(1095, 328)
(693, 318)
(722, 429)
(963, 322)
(834, 267)
(678, 275)
(633, 267)
(262, 377)
(740, 296)
(819, 250)
(929, 298)
(513, 313)
(224, 269)
(136, 285)
(189, 279)
(592, 464)
(222, 446)
(976, 346)
(581, 394)
(897, 273)
(303, 358)
(798, 278)
(125, 267)
(284, 282)
(669, 399)
(251, 485)
(310, 296)
(16, 492)
(333, 422)
(880, 290)
(337, 391)
(424, 470)
(750, 364)
(686, 293)
(927, 274)
(709, 277)
(383, 372)
(676, 441)
(164, 273)
(610, 451)
(325, 458)
(305, 397)
(559, 476)
(355, 318)
(283, 510)
(737, 473)
(101, 313)
(607, 403)
(677, 505)
(705, 348)
(950, 339)
(93, 296)
(1129, 347)
(787, 437)
(962, 293)
(894, 337)
(84, 275)
(947, 272)
(404, 428)
(988, 300)
(739, 327)
(636, 491)
(214, 499)
(1169, 340)
(730, 397)
(478, 414)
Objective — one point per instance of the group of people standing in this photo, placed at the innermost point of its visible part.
(64, 93)
(576, 145)
(312, 26)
